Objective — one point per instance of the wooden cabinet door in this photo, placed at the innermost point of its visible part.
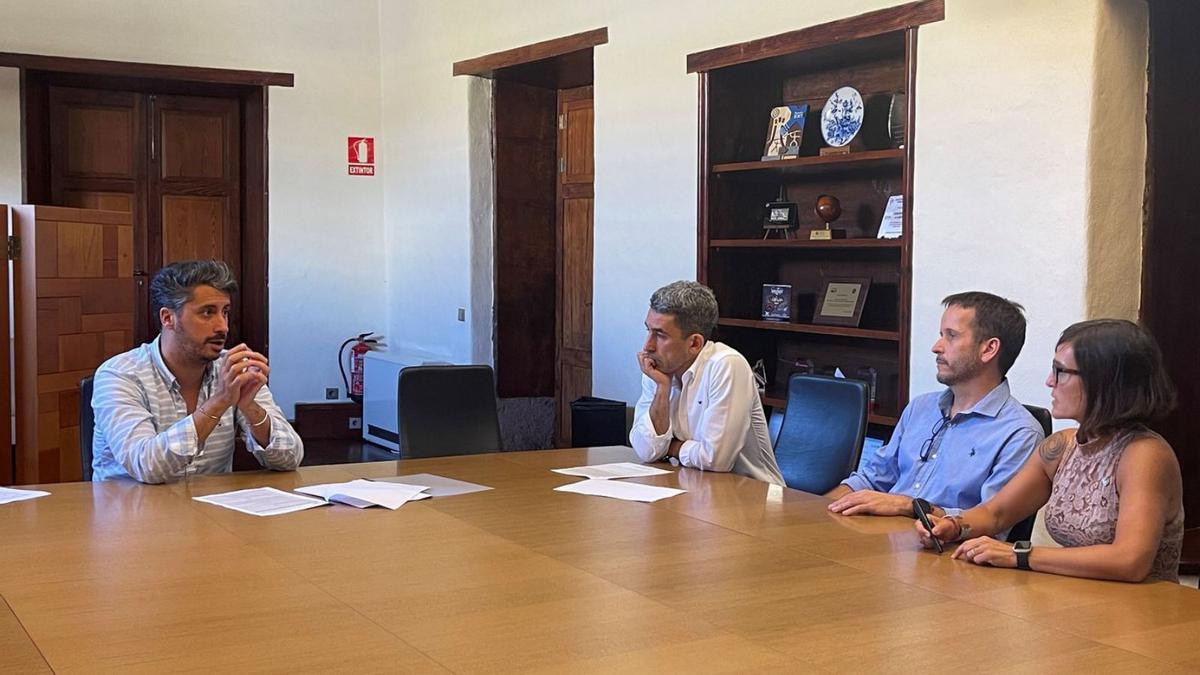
(575, 191)
(98, 160)
(74, 299)
(173, 162)
(97, 150)
(194, 184)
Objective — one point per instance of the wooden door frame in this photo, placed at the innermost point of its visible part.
(562, 192)
(558, 64)
(38, 73)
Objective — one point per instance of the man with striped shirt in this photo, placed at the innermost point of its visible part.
(171, 407)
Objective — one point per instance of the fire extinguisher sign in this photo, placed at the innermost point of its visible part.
(360, 150)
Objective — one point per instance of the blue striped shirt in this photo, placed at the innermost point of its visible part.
(144, 431)
(975, 454)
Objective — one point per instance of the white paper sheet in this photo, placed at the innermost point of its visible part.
(262, 501)
(614, 470)
(363, 493)
(634, 492)
(439, 486)
(9, 495)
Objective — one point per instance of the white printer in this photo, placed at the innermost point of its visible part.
(381, 379)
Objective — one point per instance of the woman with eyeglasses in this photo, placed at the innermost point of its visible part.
(1111, 487)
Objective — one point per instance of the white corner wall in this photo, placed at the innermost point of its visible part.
(1004, 99)
(1004, 94)
(328, 276)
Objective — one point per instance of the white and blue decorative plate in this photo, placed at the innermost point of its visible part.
(842, 117)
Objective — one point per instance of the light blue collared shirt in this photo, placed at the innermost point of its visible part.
(973, 456)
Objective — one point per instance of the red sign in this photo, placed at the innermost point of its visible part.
(360, 152)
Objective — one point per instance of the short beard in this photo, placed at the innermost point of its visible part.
(968, 372)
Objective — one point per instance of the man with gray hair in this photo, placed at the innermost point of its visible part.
(170, 408)
(699, 406)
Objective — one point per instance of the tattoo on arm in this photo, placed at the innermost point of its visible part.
(1053, 447)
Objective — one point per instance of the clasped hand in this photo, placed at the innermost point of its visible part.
(240, 376)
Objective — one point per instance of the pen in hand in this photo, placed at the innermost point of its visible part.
(921, 509)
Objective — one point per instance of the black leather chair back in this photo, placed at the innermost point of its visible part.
(1043, 417)
(822, 431)
(1023, 530)
(87, 425)
(447, 410)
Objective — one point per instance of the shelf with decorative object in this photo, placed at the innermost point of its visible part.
(863, 242)
(778, 400)
(853, 84)
(869, 160)
(787, 326)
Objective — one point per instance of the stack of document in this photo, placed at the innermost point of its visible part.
(601, 484)
(614, 470)
(633, 492)
(363, 493)
(263, 501)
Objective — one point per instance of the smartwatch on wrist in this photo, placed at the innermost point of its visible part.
(1022, 549)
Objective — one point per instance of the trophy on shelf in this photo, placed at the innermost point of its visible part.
(869, 375)
(760, 376)
(780, 216)
(828, 209)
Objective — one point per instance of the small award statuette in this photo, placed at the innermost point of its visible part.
(828, 209)
(777, 302)
(869, 375)
(760, 376)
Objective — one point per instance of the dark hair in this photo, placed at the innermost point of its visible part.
(172, 286)
(995, 317)
(1124, 382)
(691, 303)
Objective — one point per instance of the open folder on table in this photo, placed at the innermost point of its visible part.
(363, 493)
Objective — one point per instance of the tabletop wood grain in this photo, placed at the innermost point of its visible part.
(735, 575)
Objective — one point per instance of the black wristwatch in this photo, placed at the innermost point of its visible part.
(1022, 549)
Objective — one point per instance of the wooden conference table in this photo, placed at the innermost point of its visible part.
(733, 575)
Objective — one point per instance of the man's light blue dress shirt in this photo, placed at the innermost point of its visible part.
(976, 452)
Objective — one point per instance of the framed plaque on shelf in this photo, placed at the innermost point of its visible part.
(841, 301)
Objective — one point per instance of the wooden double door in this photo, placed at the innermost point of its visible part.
(172, 161)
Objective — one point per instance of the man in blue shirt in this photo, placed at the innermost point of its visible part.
(958, 447)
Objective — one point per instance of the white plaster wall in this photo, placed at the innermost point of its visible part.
(1004, 94)
(327, 256)
(1004, 97)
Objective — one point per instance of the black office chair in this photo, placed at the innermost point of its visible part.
(1023, 530)
(822, 431)
(87, 425)
(447, 410)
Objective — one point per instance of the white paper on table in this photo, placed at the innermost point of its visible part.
(634, 492)
(9, 495)
(439, 486)
(363, 493)
(614, 470)
(263, 501)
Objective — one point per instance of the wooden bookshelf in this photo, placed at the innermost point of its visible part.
(805, 243)
(738, 87)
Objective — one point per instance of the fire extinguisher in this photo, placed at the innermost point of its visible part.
(356, 370)
(362, 344)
